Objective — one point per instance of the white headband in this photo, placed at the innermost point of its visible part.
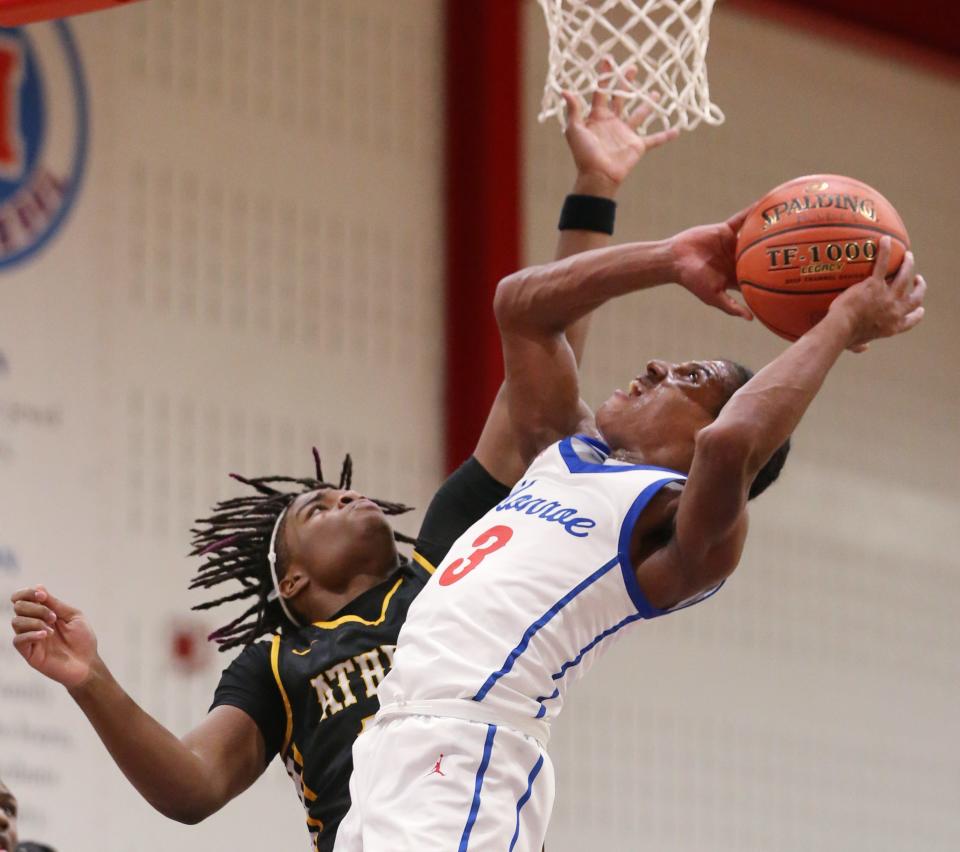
(272, 559)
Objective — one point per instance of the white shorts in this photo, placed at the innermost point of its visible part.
(435, 784)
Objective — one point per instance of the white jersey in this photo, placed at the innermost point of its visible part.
(530, 595)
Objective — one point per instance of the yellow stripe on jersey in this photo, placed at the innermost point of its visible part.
(275, 665)
(344, 619)
(423, 562)
(308, 794)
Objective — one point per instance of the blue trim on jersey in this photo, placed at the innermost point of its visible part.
(596, 443)
(592, 644)
(577, 660)
(525, 798)
(699, 599)
(644, 607)
(543, 709)
(475, 804)
(529, 633)
(575, 464)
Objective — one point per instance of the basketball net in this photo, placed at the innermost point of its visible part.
(666, 39)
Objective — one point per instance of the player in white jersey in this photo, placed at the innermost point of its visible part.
(642, 512)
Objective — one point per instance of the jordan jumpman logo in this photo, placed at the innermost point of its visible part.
(436, 768)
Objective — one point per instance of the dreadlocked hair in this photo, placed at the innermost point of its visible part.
(235, 540)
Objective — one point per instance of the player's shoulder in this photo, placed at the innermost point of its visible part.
(250, 668)
(256, 653)
(421, 568)
(464, 497)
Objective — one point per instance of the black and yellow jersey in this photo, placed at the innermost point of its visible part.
(312, 691)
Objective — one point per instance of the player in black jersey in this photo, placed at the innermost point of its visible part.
(327, 583)
(312, 689)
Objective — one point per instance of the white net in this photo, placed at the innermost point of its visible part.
(666, 40)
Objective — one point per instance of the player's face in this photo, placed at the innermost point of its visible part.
(664, 407)
(334, 534)
(8, 819)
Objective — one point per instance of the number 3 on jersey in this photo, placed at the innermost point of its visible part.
(486, 543)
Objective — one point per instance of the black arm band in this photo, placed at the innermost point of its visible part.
(588, 213)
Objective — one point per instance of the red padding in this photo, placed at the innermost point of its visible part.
(482, 204)
(921, 32)
(15, 13)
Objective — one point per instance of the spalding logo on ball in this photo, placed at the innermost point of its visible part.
(806, 241)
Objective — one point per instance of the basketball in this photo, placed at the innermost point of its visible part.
(806, 241)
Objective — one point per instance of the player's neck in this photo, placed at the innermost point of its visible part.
(646, 450)
(629, 456)
(323, 604)
(672, 457)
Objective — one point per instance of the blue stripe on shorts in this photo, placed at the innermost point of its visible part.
(525, 798)
(475, 805)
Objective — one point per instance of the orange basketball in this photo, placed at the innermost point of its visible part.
(806, 241)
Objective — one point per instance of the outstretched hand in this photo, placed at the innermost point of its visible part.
(53, 637)
(705, 263)
(606, 145)
(878, 309)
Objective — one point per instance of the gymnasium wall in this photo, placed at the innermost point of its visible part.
(253, 267)
(812, 704)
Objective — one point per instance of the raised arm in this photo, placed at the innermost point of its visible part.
(605, 148)
(184, 779)
(534, 306)
(711, 517)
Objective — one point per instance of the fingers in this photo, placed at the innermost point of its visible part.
(882, 263)
(910, 290)
(913, 318)
(616, 102)
(23, 624)
(35, 610)
(639, 115)
(28, 644)
(29, 594)
(39, 594)
(655, 140)
(22, 641)
(915, 299)
(599, 100)
(731, 306)
(62, 610)
(574, 114)
(735, 222)
(738, 309)
(903, 280)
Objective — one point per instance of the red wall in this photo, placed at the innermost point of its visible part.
(924, 32)
(483, 66)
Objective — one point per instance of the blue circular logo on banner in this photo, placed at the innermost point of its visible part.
(43, 135)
